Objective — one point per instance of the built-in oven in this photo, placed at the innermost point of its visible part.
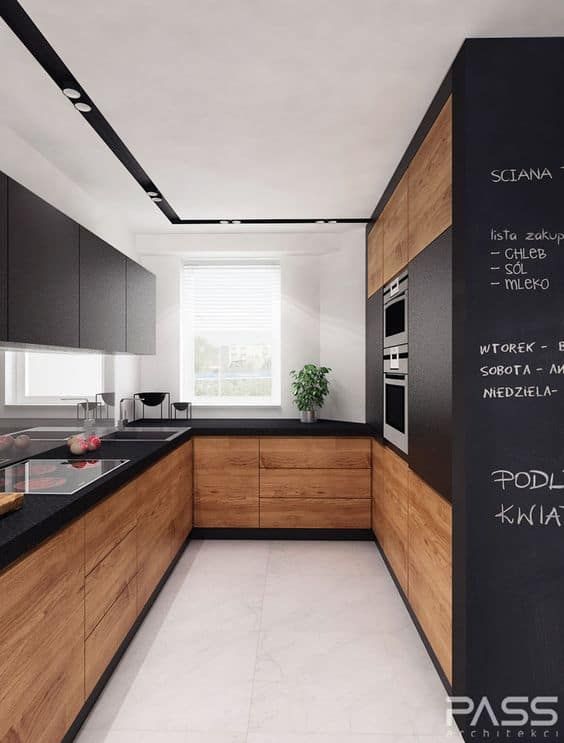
(395, 311)
(395, 396)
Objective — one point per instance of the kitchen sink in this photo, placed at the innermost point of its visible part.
(145, 434)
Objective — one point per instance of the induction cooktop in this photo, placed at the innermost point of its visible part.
(55, 476)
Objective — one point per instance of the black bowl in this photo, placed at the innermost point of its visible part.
(180, 405)
(152, 398)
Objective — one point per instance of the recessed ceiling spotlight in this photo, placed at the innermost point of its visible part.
(71, 93)
(320, 221)
(83, 107)
(223, 221)
(156, 199)
(235, 221)
(152, 193)
(332, 221)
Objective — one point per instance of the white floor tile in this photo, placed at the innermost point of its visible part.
(274, 642)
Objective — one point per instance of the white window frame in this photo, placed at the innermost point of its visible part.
(187, 377)
(15, 382)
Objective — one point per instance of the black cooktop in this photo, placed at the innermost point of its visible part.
(55, 476)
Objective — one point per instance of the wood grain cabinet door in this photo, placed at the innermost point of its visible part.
(375, 258)
(314, 452)
(226, 481)
(395, 219)
(430, 567)
(42, 647)
(393, 515)
(430, 184)
(377, 489)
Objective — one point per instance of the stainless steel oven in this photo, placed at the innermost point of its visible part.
(395, 311)
(395, 396)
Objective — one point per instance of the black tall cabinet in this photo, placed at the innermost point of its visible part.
(3, 256)
(374, 362)
(43, 287)
(102, 294)
(430, 364)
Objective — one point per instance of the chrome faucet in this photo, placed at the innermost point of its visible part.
(89, 413)
(122, 419)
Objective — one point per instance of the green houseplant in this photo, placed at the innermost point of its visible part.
(310, 387)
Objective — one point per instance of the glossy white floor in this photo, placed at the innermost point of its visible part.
(274, 642)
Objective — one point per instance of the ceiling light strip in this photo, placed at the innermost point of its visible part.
(31, 37)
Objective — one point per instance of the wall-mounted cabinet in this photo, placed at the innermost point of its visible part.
(62, 286)
(430, 184)
(141, 309)
(375, 259)
(43, 284)
(102, 294)
(395, 224)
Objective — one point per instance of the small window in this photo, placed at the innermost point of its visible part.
(34, 378)
(231, 334)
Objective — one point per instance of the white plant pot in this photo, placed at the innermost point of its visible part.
(308, 416)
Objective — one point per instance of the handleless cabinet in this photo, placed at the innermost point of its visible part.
(102, 294)
(395, 220)
(430, 364)
(3, 256)
(141, 309)
(43, 272)
(375, 259)
(374, 380)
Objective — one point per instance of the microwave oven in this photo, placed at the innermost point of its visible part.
(395, 311)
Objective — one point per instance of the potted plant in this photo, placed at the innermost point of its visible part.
(310, 387)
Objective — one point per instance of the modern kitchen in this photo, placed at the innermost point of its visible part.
(281, 349)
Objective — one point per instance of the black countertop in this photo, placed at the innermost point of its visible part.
(262, 427)
(43, 515)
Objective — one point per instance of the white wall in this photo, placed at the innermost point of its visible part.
(322, 311)
(342, 327)
(30, 168)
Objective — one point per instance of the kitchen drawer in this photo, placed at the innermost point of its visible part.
(313, 452)
(108, 579)
(303, 483)
(108, 523)
(315, 513)
(104, 641)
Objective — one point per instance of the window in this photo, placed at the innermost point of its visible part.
(33, 378)
(231, 334)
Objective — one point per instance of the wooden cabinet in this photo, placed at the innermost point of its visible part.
(103, 643)
(430, 567)
(3, 257)
(43, 265)
(315, 452)
(378, 479)
(375, 258)
(392, 515)
(141, 309)
(312, 482)
(226, 481)
(42, 648)
(164, 494)
(430, 364)
(102, 294)
(430, 184)
(395, 218)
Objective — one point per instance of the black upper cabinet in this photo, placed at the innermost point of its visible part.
(43, 291)
(3, 256)
(102, 294)
(374, 361)
(141, 309)
(430, 364)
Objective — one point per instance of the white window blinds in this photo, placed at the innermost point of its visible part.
(231, 333)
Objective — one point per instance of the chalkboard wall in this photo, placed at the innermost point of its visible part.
(508, 265)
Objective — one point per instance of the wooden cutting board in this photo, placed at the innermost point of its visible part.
(10, 502)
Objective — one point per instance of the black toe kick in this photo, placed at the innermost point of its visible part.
(203, 532)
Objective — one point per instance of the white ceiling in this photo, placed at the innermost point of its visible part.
(246, 108)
